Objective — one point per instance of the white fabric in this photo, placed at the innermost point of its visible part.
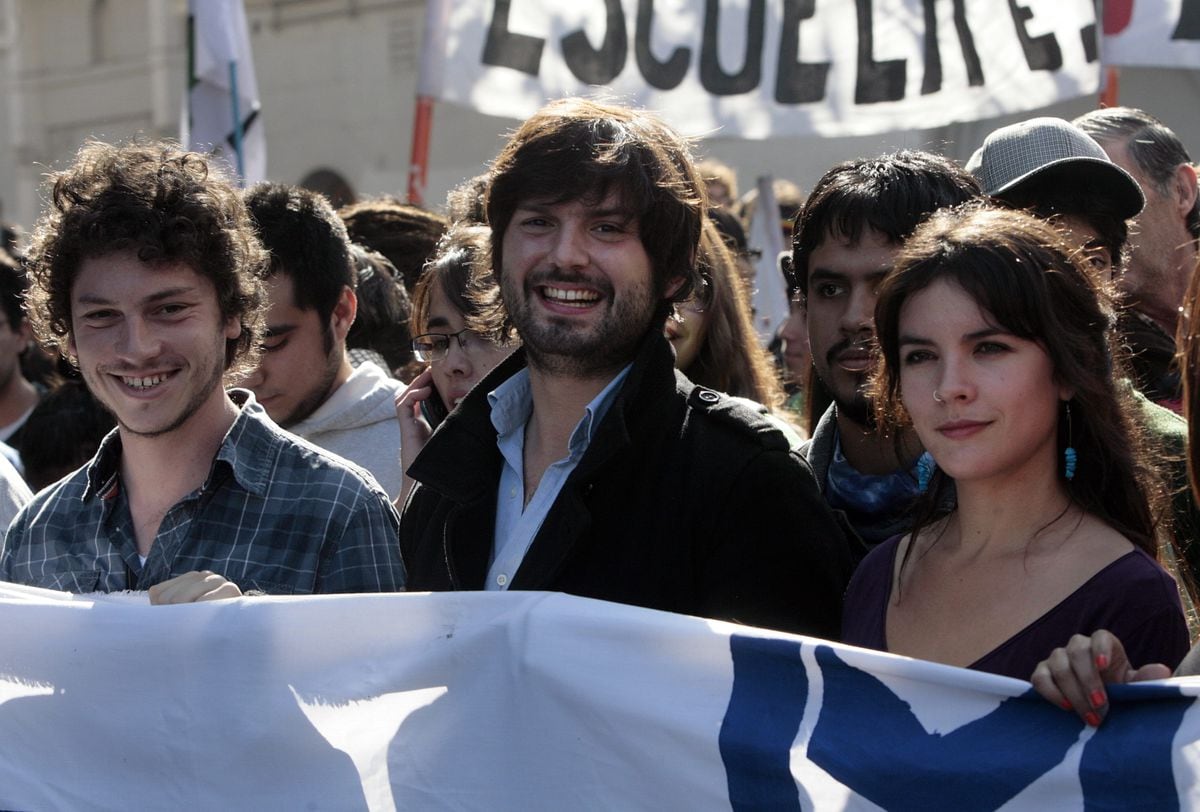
(1147, 33)
(524, 700)
(221, 37)
(358, 422)
(765, 232)
(528, 65)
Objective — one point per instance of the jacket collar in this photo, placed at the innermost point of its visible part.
(468, 434)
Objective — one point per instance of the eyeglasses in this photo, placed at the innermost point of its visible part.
(432, 347)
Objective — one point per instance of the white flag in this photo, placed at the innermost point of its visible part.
(223, 115)
(540, 701)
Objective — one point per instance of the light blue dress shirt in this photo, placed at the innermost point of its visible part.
(516, 522)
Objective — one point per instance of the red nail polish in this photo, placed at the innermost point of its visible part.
(1092, 719)
(1066, 705)
(1102, 661)
(1097, 698)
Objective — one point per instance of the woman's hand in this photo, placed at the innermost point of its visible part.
(415, 430)
(1073, 677)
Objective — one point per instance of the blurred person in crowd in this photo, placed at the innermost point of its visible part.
(379, 333)
(733, 233)
(454, 337)
(304, 378)
(465, 202)
(1162, 240)
(18, 395)
(197, 495)
(720, 182)
(998, 351)
(1056, 171)
(788, 197)
(585, 463)
(64, 431)
(407, 235)
(794, 358)
(845, 241)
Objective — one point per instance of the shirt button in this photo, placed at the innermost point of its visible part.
(512, 493)
(501, 579)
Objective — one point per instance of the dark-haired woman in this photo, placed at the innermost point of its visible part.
(997, 346)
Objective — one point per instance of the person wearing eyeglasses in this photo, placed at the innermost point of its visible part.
(712, 332)
(450, 302)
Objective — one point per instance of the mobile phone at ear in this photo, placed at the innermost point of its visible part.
(433, 410)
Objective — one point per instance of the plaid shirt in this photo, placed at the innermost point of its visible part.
(275, 514)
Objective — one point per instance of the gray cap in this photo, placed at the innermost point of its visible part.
(1039, 147)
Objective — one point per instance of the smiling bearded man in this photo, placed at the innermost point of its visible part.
(585, 463)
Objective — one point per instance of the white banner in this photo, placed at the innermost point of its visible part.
(223, 89)
(758, 69)
(524, 700)
(1157, 33)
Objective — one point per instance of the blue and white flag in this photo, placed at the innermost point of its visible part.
(521, 700)
(223, 114)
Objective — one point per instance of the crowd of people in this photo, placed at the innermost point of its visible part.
(968, 446)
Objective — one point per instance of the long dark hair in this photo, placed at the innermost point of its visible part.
(1019, 270)
(730, 359)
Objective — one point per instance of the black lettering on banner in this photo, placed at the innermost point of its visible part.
(877, 81)
(505, 49)
(598, 67)
(1189, 21)
(660, 75)
(798, 82)
(714, 79)
(932, 81)
(1088, 35)
(1041, 53)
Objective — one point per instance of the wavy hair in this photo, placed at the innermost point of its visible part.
(162, 204)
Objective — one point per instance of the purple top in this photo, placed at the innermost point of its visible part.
(1133, 597)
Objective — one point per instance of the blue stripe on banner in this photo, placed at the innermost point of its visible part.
(1131, 751)
(868, 739)
(766, 706)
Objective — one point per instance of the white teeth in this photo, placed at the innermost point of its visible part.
(578, 296)
(144, 383)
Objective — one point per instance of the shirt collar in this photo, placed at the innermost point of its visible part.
(512, 403)
(248, 450)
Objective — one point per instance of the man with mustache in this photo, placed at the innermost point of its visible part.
(844, 242)
(585, 463)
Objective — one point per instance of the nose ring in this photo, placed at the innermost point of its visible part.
(935, 397)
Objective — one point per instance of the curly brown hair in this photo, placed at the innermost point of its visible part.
(164, 205)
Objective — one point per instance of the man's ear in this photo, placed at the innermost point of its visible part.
(344, 313)
(1185, 188)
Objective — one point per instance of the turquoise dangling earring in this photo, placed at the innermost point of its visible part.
(1069, 456)
(925, 469)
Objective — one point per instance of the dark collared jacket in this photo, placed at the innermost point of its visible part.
(686, 501)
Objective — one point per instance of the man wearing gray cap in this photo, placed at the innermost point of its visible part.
(1058, 172)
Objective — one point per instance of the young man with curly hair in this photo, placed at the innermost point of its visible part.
(146, 274)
